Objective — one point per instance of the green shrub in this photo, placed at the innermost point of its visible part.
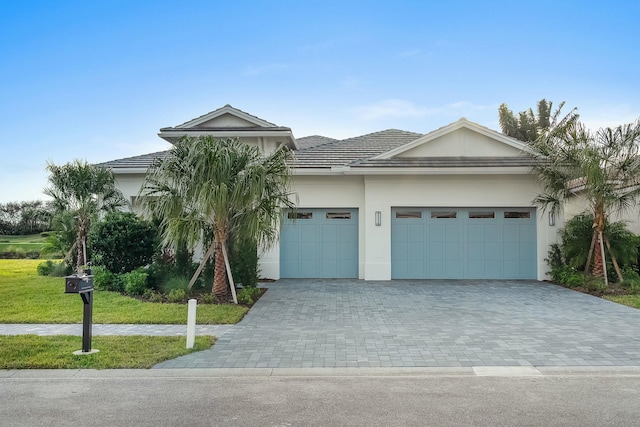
(248, 296)
(175, 283)
(634, 288)
(595, 284)
(135, 282)
(123, 242)
(45, 268)
(206, 298)
(103, 279)
(61, 269)
(53, 269)
(576, 241)
(177, 295)
(243, 258)
(153, 296)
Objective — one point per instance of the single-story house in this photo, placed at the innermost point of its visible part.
(455, 203)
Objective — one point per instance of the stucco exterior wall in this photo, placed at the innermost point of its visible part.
(130, 185)
(577, 205)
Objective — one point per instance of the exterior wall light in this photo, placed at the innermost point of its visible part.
(552, 219)
(378, 218)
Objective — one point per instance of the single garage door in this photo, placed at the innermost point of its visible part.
(319, 243)
(469, 243)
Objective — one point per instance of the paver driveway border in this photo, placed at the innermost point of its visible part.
(424, 323)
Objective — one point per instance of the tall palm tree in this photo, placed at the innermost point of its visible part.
(83, 191)
(208, 189)
(602, 167)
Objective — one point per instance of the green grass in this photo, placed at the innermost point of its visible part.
(630, 300)
(27, 243)
(56, 352)
(26, 297)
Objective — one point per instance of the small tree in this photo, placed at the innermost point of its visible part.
(215, 188)
(602, 167)
(82, 191)
(123, 242)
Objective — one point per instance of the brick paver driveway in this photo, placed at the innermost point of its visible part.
(352, 323)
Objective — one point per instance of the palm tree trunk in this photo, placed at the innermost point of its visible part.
(80, 257)
(219, 274)
(598, 261)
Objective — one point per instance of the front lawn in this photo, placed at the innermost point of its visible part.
(116, 352)
(26, 297)
(630, 300)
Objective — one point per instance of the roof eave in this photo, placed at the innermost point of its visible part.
(173, 134)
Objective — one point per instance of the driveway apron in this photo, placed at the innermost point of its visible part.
(434, 323)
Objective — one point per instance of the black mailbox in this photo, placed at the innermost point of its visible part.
(78, 284)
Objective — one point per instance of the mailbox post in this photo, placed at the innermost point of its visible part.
(83, 285)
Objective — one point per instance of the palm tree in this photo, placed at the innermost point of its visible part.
(83, 191)
(208, 189)
(602, 167)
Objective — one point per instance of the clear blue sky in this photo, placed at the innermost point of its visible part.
(97, 79)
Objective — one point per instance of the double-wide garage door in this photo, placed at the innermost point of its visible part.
(319, 243)
(483, 243)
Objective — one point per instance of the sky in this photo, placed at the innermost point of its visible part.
(96, 80)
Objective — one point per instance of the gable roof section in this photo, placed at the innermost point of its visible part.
(347, 151)
(229, 122)
(448, 129)
(227, 109)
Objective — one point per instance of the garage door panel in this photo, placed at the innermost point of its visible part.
(319, 243)
(435, 243)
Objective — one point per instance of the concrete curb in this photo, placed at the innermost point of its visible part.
(482, 371)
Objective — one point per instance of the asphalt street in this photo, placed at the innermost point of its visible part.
(255, 398)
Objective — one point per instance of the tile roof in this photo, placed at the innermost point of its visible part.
(344, 152)
(323, 152)
(313, 141)
(135, 162)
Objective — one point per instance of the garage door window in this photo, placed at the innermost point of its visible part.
(338, 215)
(517, 214)
(482, 214)
(300, 215)
(444, 214)
(409, 214)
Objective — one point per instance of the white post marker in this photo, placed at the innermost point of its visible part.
(191, 323)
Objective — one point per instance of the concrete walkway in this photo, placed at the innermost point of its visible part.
(406, 324)
(110, 329)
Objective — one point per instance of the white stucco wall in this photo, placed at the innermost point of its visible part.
(577, 205)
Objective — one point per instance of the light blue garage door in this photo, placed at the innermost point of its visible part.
(454, 243)
(319, 243)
